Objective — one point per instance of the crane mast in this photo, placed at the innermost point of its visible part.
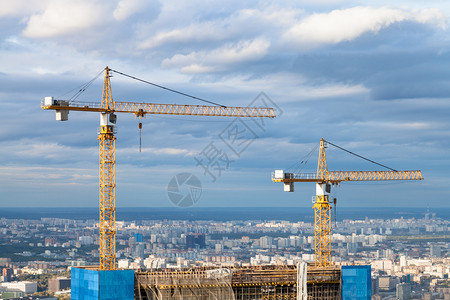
(107, 180)
(322, 213)
(324, 179)
(107, 148)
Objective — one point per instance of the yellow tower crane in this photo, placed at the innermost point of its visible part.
(107, 176)
(322, 206)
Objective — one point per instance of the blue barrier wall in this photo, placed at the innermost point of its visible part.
(102, 285)
(356, 283)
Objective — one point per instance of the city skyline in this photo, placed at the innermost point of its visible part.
(411, 250)
(368, 76)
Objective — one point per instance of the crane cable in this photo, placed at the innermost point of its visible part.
(298, 165)
(82, 88)
(166, 88)
(369, 160)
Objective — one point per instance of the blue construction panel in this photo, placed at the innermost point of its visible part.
(356, 283)
(84, 284)
(102, 285)
(117, 284)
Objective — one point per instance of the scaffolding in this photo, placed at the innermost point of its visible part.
(240, 283)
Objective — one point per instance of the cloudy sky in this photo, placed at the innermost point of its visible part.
(370, 76)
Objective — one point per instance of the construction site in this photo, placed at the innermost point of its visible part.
(320, 280)
(243, 283)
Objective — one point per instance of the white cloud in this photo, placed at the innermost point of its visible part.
(50, 58)
(239, 25)
(431, 15)
(219, 59)
(348, 24)
(20, 8)
(48, 175)
(193, 32)
(64, 17)
(28, 149)
(399, 125)
(127, 8)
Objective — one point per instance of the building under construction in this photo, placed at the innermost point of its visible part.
(256, 282)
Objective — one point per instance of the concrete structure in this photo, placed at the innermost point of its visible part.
(244, 283)
(58, 284)
(27, 287)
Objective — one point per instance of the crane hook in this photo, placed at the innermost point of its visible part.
(139, 115)
(140, 137)
(335, 202)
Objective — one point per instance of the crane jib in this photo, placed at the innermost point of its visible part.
(339, 176)
(167, 109)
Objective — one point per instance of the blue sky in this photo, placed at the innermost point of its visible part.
(370, 76)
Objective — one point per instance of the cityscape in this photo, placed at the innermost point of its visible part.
(408, 256)
(224, 150)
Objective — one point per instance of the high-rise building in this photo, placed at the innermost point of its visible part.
(295, 241)
(139, 250)
(86, 240)
(374, 283)
(403, 262)
(131, 241)
(403, 291)
(386, 283)
(7, 274)
(139, 237)
(266, 242)
(194, 239)
(218, 248)
(435, 251)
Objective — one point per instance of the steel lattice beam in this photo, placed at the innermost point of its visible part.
(107, 195)
(322, 231)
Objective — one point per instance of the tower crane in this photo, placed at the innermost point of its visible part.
(324, 179)
(107, 151)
